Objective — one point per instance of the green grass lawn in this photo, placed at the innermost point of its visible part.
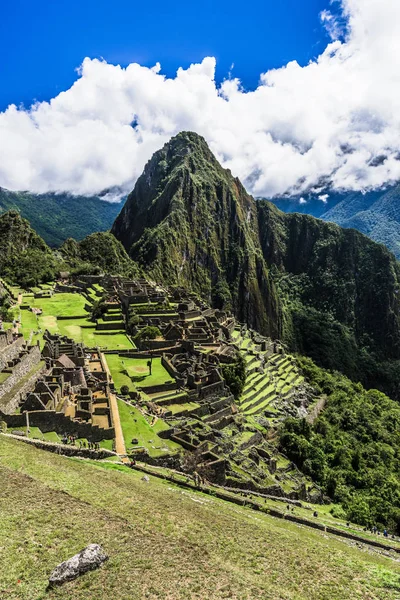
(177, 408)
(61, 305)
(80, 329)
(117, 370)
(163, 542)
(29, 322)
(135, 372)
(137, 368)
(135, 425)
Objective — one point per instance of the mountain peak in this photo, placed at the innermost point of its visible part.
(189, 220)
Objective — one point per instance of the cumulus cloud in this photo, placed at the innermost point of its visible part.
(334, 122)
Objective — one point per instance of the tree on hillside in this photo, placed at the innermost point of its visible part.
(235, 375)
(150, 332)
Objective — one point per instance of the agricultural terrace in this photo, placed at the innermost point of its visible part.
(65, 314)
(136, 425)
(270, 382)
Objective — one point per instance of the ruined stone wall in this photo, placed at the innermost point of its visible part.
(66, 449)
(28, 362)
(168, 366)
(155, 389)
(213, 388)
(9, 351)
(155, 344)
(48, 420)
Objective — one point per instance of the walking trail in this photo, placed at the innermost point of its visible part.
(119, 438)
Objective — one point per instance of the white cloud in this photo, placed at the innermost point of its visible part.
(323, 198)
(335, 120)
(302, 200)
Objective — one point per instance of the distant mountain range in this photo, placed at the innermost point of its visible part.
(56, 217)
(376, 214)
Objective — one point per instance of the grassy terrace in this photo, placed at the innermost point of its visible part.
(4, 376)
(280, 376)
(163, 542)
(60, 305)
(135, 425)
(131, 371)
(80, 329)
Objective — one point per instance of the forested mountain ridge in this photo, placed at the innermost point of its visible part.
(56, 217)
(374, 213)
(325, 291)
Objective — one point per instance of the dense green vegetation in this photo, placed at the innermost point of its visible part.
(24, 257)
(150, 332)
(57, 217)
(235, 375)
(99, 252)
(352, 450)
(339, 293)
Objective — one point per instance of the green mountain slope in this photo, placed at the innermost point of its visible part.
(101, 250)
(163, 542)
(327, 292)
(25, 258)
(341, 293)
(378, 217)
(55, 217)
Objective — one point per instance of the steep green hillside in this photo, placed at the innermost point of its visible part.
(25, 259)
(100, 250)
(378, 217)
(163, 542)
(352, 449)
(57, 217)
(341, 295)
(189, 222)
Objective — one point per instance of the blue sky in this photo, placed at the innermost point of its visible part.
(42, 43)
(283, 127)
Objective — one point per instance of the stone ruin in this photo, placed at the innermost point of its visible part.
(19, 369)
(71, 396)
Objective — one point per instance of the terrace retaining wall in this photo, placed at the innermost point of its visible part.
(9, 351)
(20, 370)
(64, 449)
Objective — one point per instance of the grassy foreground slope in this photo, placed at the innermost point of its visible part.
(162, 542)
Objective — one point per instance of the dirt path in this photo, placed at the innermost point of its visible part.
(119, 438)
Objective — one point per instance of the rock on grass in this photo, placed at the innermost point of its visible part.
(88, 559)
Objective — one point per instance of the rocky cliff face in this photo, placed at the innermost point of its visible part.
(327, 292)
(190, 222)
